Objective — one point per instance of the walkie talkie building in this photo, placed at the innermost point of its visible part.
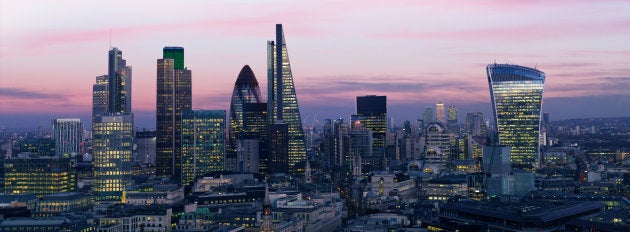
(516, 94)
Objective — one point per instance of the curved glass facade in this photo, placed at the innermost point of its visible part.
(245, 91)
(516, 95)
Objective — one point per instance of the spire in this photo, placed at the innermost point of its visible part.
(267, 222)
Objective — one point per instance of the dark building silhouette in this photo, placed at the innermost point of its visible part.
(174, 95)
(372, 115)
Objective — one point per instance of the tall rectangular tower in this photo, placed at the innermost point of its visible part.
(174, 96)
(100, 97)
(282, 99)
(516, 94)
(112, 148)
(203, 143)
(119, 83)
(372, 115)
(439, 113)
(68, 135)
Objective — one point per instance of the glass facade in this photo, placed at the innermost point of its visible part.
(39, 176)
(112, 148)
(174, 95)
(245, 91)
(255, 127)
(372, 115)
(100, 96)
(203, 143)
(282, 99)
(119, 83)
(516, 94)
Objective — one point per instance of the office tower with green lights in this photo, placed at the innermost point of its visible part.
(174, 96)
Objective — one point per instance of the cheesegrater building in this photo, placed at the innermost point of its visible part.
(516, 95)
(282, 100)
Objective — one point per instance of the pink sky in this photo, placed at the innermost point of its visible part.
(415, 52)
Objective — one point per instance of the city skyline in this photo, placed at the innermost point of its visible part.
(438, 53)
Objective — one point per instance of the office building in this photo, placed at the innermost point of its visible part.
(38, 146)
(372, 115)
(427, 117)
(516, 94)
(439, 113)
(100, 96)
(38, 175)
(174, 96)
(68, 135)
(203, 143)
(119, 83)
(451, 120)
(282, 99)
(278, 148)
(255, 125)
(245, 91)
(145, 147)
(113, 149)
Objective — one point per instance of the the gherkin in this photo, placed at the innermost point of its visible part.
(246, 90)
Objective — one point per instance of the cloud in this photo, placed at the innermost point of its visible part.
(29, 94)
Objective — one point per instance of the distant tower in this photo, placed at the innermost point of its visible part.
(68, 135)
(203, 143)
(439, 113)
(451, 119)
(282, 99)
(372, 115)
(119, 83)
(113, 148)
(174, 96)
(427, 117)
(245, 91)
(516, 94)
(267, 223)
(254, 130)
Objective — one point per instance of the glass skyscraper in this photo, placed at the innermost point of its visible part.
(282, 100)
(372, 115)
(119, 83)
(516, 93)
(203, 143)
(112, 148)
(174, 96)
(245, 91)
(100, 96)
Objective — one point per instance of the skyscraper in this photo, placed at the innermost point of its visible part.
(119, 83)
(427, 117)
(203, 143)
(255, 128)
(439, 113)
(112, 148)
(451, 119)
(100, 97)
(245, 91)
(282, 99)
(372, 115)
(68, 135)
(516, 94)
(174, 95)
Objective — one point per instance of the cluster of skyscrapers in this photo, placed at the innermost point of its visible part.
(260, 137)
